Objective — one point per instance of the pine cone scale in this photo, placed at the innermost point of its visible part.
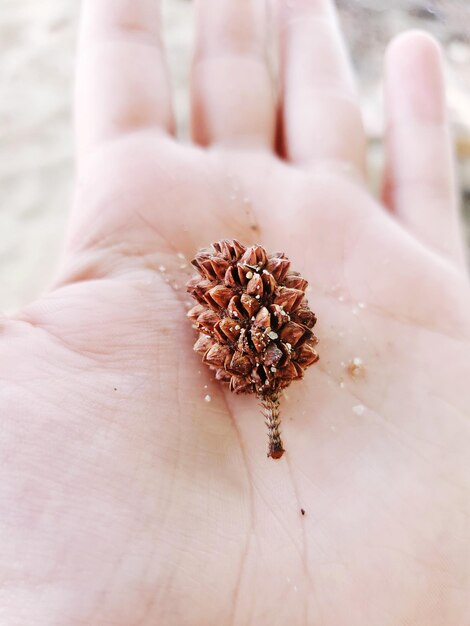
(254, 323)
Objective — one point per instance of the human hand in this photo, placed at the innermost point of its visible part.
(126, 498)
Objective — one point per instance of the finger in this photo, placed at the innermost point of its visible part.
(122, 82)
(419, 182)
(232, 90)
(321, 118)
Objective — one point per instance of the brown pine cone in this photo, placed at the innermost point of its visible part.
(254, 324)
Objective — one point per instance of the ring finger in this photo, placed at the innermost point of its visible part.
(321, 119)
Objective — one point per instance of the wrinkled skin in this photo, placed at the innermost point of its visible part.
(129, 500)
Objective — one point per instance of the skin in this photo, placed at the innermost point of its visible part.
(126, 499)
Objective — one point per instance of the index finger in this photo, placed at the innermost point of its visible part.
(122, 78)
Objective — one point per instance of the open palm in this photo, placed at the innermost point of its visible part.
(135, 490)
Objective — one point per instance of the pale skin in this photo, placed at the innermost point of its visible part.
(126, 498)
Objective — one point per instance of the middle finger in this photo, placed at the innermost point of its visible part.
(233, 99)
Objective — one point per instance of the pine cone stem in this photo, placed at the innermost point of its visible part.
(272, 416)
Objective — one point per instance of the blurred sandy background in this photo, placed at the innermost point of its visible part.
(37, 40)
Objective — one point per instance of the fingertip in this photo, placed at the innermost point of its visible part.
(413, 43)
(414, 79)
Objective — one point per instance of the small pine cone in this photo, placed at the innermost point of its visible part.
(254, 324)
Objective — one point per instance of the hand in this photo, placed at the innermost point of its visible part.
(126, 498)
